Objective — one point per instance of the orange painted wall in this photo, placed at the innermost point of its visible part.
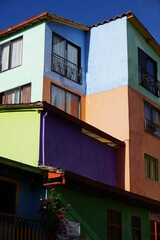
(47, 93)
(141, 142)
(109, 112)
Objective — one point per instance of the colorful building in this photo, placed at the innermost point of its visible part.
(103, 84)
(111, 69)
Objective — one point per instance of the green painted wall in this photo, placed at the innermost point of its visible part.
(136, 40)
(20, 133)
(32, 68)
(91, 212)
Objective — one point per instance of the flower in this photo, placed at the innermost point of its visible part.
(54, 214)
(69, 205)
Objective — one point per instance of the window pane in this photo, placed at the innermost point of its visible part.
(114, 228)
(26, 94)
(4, 57)
(12, 97)
(151, 167)
(72, 65)
(59, 54)
(16, 53)
(72, 104)
(58, 97)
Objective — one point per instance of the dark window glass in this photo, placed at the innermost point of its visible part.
(151, 167)
(148, 72)
(114, 226)
(152, 119)
(136, 228)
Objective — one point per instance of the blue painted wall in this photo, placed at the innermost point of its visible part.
(75, 36)
(108, 60)
(29, 198)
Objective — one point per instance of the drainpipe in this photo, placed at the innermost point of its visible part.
(43, 138)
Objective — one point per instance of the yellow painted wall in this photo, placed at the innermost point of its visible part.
(19, 136)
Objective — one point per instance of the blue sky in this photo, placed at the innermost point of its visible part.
(83, 11)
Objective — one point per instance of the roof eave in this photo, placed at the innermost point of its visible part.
(144, 32)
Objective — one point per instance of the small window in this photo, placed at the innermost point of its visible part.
(11, 54)
(151, 167)
(17, 95)
(66, 58)
(114, 225)
(136, 228)
(152, 119)
(65, 100)
(148, 73)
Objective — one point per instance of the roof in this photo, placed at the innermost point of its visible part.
(138, 25)
(92, 187)
(45, 16)
(86, 128)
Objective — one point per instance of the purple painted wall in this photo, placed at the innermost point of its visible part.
(66, 147)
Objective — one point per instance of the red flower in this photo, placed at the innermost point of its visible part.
(69, 205)
(53, 189)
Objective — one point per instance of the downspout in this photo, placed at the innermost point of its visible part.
(43, 138)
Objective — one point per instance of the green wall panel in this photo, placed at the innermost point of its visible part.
(135, 40)
(91, 212)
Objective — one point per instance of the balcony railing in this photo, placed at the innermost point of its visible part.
(66, 68)
(20, 228)
(149, 82)
(152, 128)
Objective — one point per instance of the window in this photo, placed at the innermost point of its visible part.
(11, 54)
(136, 228)
(151, 119)
(17, 95)
(114, 226)
(153, 230)
(148, 73)
(151, 167)
(65, 100)
(8, 197)
(66, 58)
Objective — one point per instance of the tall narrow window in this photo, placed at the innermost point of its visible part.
(11, 54)
(114, 225)
(66, 58)
(148, 73)
(65, 100)
(151, 167)
(136, 228)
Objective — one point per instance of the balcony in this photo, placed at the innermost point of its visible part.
(152, 128)
(149, 82)
(19, 228)
(66, 68)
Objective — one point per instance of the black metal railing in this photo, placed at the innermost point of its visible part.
(152, 128)
(66, 68)
(20, 228)
(149, 82)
